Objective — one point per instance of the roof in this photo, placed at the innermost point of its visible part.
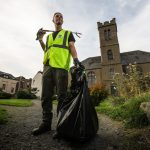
(92, 62)
(10, 76)
(6, 75)
(132, 57)
(136, 56)
(40, 72)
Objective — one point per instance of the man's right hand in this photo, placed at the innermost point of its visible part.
(40, 34)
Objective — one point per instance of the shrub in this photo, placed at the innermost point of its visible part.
(4, 95)
(25, 94)
(133, 115)
(133, 83)
(127, 111)
(145, 82)
(117, 100)
(98, 93)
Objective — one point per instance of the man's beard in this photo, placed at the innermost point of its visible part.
(59, 23)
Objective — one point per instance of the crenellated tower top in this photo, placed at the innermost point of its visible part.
(106, 23)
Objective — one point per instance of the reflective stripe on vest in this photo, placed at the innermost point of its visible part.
(46, 52)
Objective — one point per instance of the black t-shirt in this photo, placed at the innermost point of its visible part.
(70, 39)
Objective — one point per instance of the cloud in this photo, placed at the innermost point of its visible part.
(18, 26)
(135, 34)
(20, 54)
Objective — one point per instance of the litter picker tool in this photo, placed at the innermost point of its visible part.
(76, 33)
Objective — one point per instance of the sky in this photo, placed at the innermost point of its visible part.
(21, 54)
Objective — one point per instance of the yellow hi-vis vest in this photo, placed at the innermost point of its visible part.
(57, 51)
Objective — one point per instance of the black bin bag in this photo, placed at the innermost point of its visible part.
(77, 118)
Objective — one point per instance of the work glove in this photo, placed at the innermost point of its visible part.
(77, 63)
(40, 34)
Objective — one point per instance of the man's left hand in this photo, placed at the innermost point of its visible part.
(78, 63)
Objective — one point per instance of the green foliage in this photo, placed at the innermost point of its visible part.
(117, 100)
(127, 111)
(145, 82)
(16, 102)
(133, 114)
(98, 93)
(4, 95)
(26, 94)
(132, 84)
(3, 116)
(130, 88)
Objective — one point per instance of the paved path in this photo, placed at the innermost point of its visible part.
(16, 134)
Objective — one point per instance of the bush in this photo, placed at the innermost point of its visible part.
(133, 115)
(98, 93)
(127, 111)
(132, 84)
(117, 100)
(4, 95)
(25, 94)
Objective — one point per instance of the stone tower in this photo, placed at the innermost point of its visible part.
(110, 52)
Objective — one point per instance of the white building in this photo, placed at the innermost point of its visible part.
(37, 83)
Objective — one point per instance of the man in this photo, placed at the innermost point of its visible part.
(57, 51)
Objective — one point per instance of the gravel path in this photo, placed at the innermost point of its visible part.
(16, 134)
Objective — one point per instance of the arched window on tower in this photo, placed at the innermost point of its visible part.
(91, 78)
(105, 35)
(109, 34)
(110, 54)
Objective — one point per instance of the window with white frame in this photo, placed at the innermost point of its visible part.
(4, 87)
(91, 78)
(111, 72)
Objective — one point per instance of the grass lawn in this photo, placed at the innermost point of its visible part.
(12, 102)
(3, 116)
(16, 102)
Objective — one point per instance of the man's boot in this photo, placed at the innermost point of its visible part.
(44, 127)
(56, 135)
